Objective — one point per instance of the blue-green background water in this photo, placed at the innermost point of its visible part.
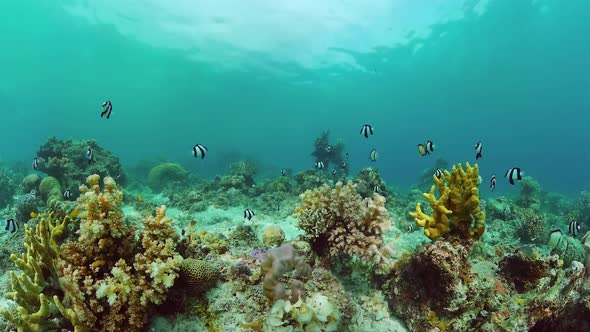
(262, 80)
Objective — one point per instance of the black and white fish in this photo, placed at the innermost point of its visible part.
(573, 228)
(422, 150)
(514, 174)
(248, 214)
(11, 225)
(107, 109)
(478, 149)
(493, 183)
(411, 227)
(438, 173)
(283, 172)
(199, 150)
(367, 130)
(35, 164)
(90, 155)
(347, 155)
(328, 148)
(67, 194)
(343, 165)
(429, 147)
(374, 155)
(376, 189)
(334, 172)
(555, 237)
(319, 165)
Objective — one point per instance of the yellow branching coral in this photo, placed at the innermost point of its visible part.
(37, 281)
(456, 211)
(342, 220)
(112, 277)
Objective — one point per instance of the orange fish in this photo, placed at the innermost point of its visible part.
(139, 198)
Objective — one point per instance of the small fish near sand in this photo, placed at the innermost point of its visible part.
(199, 150)
(11, 225)
(367, 130)
(248, 214)
(107, 109)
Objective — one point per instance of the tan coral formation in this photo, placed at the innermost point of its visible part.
(346, 223)
(456, 211)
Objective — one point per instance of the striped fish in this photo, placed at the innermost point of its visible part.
(199, 150)
(573, 228)
(248, 214)
(367, 130)
(373, 155)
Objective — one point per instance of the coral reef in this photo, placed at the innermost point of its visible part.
(368, 181)
(245, 169)
(530, 193)
(7, 188)
(25, 204)
(317, 313)
(277, 262)
(311, 179)
(31, 182)
(331, 155)
(166, 174)
(66, 161)
(567, 248)
(425, 179)
(340, 222)
(532, 226)
(273, 235)
(524, 271)
(456, 213)
(199, 276)
(50, 191)
(199, 244)
(36, 285)
(586, 243)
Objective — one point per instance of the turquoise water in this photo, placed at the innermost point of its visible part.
(263, 80)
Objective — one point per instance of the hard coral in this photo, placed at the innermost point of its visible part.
(50, 190)
(113, 277)
(456, 213)
(165, 174)
(277, 262)
(198, 275)
(7, 188)
(341, 222)
(524, 271)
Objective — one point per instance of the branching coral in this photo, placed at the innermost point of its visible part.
(341, 222)
(111, 279)
(37, 281)
(456, 212)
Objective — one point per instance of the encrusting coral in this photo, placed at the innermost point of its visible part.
(36, 284)
(50, 190)
(456, 212)
(164, 174)
(198, 275)
(341, 222)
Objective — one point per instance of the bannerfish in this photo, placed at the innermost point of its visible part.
(35, 164)
(478, 149)
(200, 150)
(67, 194)
(334, 172)
(343, 164)
(11, 225)
(248, 214)
(438, 173)
(90, 155)
(374, 155)
(429, 147)
(493, 183)
(283, 172)
(328, 148)
(411, 228)
(573, 228)
(422, 150)
(367, 130)
(319, 165)
(376, 189)
(513, 174)
(107, 109)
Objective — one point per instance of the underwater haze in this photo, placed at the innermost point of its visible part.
(263, 79)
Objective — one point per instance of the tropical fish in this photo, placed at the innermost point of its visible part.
(90, 155)
(347, 155)
(493, 183)
(374, 155)
(513, 174)
(429, 147)
(107, 109)
(139, 198)
(334, 172)
(199, 150)
(35, 164)
(366, 130)
(411, 227)
(343, 164)
(438, 173)
(504, 214)
(283, 172)
(33, 214)
(319, 165)
(248, 214)
(422, 150)
(67, 194)
(74, 213)
(11, 225)
(478, 149)
(573, 228)
(376, 189)
(328, 148)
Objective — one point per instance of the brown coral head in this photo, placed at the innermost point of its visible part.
(281, 264)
